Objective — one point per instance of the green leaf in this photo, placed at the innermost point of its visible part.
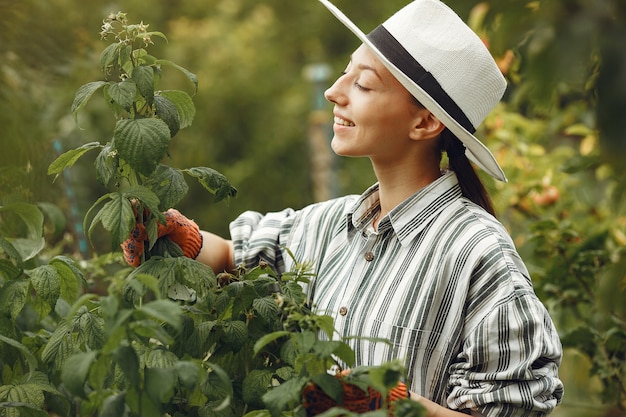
(188, 373)
(46, 283)
(60, 346)
(10, 251)
(255, 385)
(127, 360)
(23, 409)
(235, 334)
(123, 92)
(108, 57)
(116, 216)
(330, 385)
(71, 277)
(13, 297)
(267, 339)
(267, 307)
(214, 182)
(8, 270)
(168, 184)
(30, 358)
(83, 95)
(286, 394)
(75, 371)
(33, 242)
(69, 158)
(143, 76)
(184, 106)
(106, 165)
(166, 111)
(113, 406)
(160, 383)
(89, 328)
(190, 76)
(164, 310)
(147, 197)
(142, 143)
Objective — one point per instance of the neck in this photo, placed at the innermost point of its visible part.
(396, 184)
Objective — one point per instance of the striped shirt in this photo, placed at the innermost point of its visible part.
(440, 280)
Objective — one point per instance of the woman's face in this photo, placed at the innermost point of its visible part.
(373, 112)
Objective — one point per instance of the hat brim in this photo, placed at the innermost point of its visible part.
(476, 151)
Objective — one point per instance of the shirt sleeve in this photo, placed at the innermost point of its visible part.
(509, 362)
(257, 237)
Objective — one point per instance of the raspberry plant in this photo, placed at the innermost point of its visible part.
(169, 338)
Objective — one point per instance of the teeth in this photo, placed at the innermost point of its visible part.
(342, 122)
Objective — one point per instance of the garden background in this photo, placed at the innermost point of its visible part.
(262, 66)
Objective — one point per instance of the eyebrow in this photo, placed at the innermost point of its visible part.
(364, 67)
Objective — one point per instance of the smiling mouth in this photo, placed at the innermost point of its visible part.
(343, 122)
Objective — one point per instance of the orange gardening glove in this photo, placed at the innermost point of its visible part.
(181, 230)
(355, 399)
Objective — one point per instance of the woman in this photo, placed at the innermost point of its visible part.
(418, 259)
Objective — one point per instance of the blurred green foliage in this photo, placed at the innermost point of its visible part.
(558, 133)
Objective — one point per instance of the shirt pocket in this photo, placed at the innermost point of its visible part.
(425, 354)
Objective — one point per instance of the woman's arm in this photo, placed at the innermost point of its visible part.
(216, 252)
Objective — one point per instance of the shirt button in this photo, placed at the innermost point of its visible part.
(369, 256)
(343, 311)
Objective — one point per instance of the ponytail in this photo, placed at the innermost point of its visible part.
(471, 185)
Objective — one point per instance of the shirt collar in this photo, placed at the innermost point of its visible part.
(409, 217)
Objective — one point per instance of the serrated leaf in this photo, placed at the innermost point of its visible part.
(75, 371)
(164, 310)
(83, 95)
(143, 76)
(185, 108)
(106, 165)
(60, 346)
(201, 339)
(166, 111)
(190, 76)
(254, 385)
(235, 334)
(163, 269)
(123, 92)
(148, 198)
(126, 358)
(169, 185)
(214, 182)
(69, 158)
(71, 277)
(89, 328)
(142, 143)
(46, 283)
(8, 270)
(158, 357)
(13, 297)
(30, 358)
(116, 216)
(266, 307)
(10, 251)
(109, 55)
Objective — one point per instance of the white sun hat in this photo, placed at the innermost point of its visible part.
(444, 65)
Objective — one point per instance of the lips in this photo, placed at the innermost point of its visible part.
(342, 122)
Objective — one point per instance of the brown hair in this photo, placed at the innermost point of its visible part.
(471, 185)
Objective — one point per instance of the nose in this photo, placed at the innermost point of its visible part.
(334, 93)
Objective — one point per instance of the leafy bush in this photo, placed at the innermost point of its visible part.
(169, 337)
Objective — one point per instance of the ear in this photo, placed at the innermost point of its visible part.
(425, 125)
